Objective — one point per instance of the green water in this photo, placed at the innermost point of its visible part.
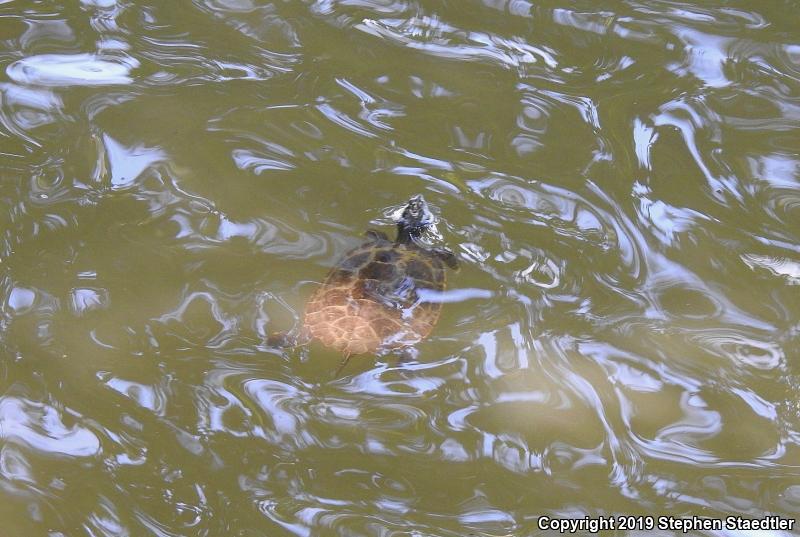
(619, 180)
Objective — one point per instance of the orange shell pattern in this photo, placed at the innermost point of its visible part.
(369, 301)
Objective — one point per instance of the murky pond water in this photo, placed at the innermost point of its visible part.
(620, 181)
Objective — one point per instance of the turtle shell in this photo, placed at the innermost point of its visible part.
(374, 298)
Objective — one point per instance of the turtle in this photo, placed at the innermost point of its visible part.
(381, 296)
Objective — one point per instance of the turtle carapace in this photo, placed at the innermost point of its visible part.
(381, 295)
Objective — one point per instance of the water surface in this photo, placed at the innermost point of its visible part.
(619, 180)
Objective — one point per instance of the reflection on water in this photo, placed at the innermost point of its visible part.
(619, 179)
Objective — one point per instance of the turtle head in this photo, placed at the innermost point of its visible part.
(414, 220)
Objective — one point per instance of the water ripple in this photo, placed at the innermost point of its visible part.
(433, 36)
(72, 70)
(41, 427)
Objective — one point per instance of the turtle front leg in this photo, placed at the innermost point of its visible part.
(449, 258)
(376, 236)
